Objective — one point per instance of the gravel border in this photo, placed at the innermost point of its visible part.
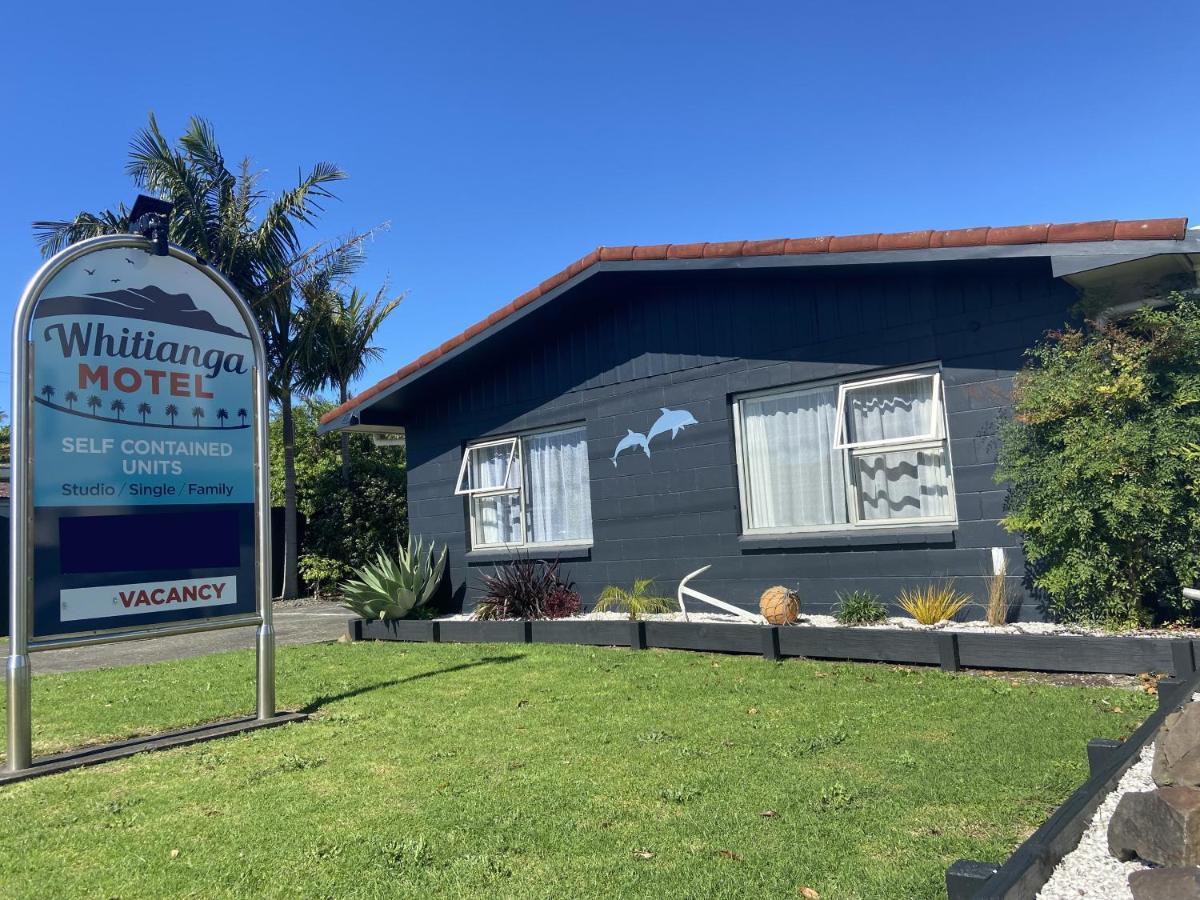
(1090, 872)
(893, 623)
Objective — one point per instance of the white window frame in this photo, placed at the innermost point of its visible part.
(516, 455)
(461, 488)
(940, 440)
(935, 418)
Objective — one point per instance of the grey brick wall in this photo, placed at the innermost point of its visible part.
(614, 351)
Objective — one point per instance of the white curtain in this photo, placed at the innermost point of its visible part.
(794, 477)
(882, 412)
(903, 484)
(558, 495)
(497, 519)
(488, 465)
(498, 516)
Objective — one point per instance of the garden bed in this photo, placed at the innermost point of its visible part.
(946, 647)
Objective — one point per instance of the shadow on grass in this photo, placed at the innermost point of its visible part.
(366, 689)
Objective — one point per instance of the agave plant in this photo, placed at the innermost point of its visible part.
(392, 588)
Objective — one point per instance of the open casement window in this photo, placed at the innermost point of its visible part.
(531, 490)
(897, 409)
(487, 467)
(842, 456)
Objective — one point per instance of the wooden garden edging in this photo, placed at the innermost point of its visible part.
(950, 650)
(1029, 867)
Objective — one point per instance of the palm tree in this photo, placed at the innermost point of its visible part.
(117, 406)
(340, 345)
(70, 398)
(198, 414)
(94, 403)
(227, 219)
(172, 411)
(144, 410)
(222, 415)
(241, 414)
(636, 602)
(47, 391)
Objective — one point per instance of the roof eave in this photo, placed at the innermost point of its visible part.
(1072, 256)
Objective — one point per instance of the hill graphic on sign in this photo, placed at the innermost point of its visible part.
(149, 303)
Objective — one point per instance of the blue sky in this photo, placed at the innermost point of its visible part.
(502, 141)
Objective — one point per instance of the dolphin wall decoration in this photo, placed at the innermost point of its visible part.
(632, 439)
(672, 420)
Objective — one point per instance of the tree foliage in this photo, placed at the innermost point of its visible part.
(1103, 487)
(340, 331)
(346, 526)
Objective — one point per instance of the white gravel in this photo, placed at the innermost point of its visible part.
(1090, 871)
(621, 617)
(902, 623)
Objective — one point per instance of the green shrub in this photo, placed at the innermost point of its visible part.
(322, 574)
(346, 525)
(859, 608)
(394, 588)
(635, 602)
(933, 603)
(1103, 489)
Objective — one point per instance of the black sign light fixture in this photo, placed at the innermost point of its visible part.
(151, 218)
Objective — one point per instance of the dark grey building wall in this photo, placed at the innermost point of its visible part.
(620, 346)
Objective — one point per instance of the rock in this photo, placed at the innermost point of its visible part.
(1177, 749)
(1161, 827)
(1165, 884)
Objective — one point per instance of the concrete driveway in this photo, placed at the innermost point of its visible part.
(306, 623)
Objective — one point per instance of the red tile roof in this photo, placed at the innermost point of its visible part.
(1108, 230)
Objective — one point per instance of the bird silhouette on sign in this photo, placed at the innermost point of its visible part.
(116, 280)
(128, 260)
(90, 271)
(632, 439)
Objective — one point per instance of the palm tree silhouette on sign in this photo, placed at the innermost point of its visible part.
(222, 415)
(47, 391)
(94, 402)
(172, 411)
(198, 414)
(70, 397)
(144, 410)
(241, 414)
(117, 406)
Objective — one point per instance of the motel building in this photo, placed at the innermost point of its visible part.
(818, 412)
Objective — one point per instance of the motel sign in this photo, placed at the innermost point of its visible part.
(139, 466)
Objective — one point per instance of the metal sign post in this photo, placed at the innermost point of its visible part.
(139, 460)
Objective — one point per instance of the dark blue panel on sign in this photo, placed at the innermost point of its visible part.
(124, 567)
(199, 539)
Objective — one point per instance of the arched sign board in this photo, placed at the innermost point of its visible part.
(139, 472)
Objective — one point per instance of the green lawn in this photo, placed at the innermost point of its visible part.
(543, 771)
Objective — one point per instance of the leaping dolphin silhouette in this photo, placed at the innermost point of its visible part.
(631, 439)
(672, 420)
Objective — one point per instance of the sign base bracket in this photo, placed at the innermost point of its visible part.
(163, 740)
